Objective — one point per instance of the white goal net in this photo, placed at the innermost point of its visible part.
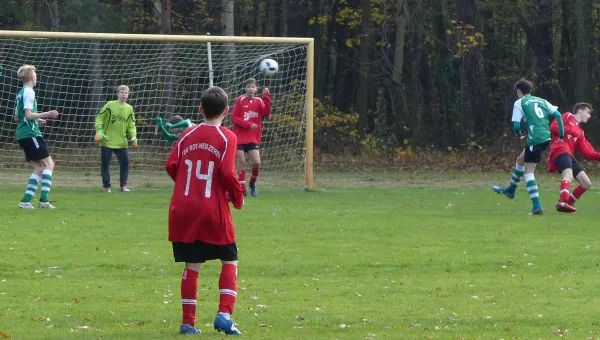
(77, 76)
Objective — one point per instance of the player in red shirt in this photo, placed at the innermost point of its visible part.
(246, 117)
(202, 165)
(561, 157)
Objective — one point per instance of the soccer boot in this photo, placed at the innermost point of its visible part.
(245, 193)
(536, 210)
(46, 205)
(510, 193)
(226, 325)
(125, 188)
(26, 205)
(107, 189)
(187, 329)
(253, 190)
(565, 207)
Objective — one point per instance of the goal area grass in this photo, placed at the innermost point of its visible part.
(365, 256)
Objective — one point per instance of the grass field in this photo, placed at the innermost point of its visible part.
(367, 256)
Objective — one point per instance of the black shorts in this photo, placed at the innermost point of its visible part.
(533, 153)
(247, 147)
(200, 252)
(566, 161)
(34, 147)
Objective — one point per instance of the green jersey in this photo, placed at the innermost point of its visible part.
(117, 122)
(536, 113)
(26, 100)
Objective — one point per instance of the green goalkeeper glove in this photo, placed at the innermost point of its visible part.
(100, 136)
(134, 142)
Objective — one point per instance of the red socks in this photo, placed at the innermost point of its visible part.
(227, 288)
(255, 171)
(564, 190)
(242, 178)
(576, 194)
(189, 296)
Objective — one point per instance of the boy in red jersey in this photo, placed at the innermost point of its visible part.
(246, 117)
(561, 156)
(202, 165)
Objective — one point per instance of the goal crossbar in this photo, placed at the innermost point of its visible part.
(310, 51)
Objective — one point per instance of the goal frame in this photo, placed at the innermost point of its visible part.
(310, 65)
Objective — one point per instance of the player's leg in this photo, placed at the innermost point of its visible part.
(564, 164)
(255, 158)
(241, 166)
(584, 184)
(105, 158)
(123, 158)
(515, 179)
(28, 146)
(32, 186)
(186, 252)
(227, 290)
(532, 156)
(47, 164)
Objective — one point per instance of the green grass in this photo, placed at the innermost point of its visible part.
(444, 258)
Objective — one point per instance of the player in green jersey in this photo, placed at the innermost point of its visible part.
(115, 126)
(536, 113)
(30, 139)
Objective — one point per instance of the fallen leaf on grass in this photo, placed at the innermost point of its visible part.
(558, 332)
(299, 318)
(4, 335)
(53, 268)
(565, 288)
(38, 271)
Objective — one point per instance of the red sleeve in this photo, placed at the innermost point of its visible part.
(569, 129)
(229, 175)
(237, 116)
(586, 149)
(265, 107)
(173, 162)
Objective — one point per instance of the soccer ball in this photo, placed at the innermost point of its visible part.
(269, 66)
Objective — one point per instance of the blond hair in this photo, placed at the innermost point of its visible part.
(25, 72)
(123, 87)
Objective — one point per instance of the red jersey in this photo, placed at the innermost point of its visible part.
(202, 165)
(574, 140)
(247, 112)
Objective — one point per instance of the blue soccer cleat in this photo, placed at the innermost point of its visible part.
(187, 329)
(225, 324)
(510, 193)
(536, 210)
(253, 190)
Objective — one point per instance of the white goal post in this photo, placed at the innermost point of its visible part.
(79, 72)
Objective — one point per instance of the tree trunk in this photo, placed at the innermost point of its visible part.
(472, 64)
(364, 94)
(400, 33)
(228, 49)
(271, 18)
(165, 28)
(565, 60)
(331, 47)
(539, 30)
(284, 18)
(583, 19)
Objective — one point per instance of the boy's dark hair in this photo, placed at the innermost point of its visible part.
(524, 85)
(581, 106)
(250, 81)
(213, 102)
(175, 119)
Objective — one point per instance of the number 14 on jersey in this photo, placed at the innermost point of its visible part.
(206, 177)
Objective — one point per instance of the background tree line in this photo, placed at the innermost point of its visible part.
(390, 74)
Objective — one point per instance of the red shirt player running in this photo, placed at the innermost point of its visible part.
(562, 155)
(202, 165)
(246, 117)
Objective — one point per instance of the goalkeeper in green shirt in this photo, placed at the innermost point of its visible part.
(174, 127)
(115, 127)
